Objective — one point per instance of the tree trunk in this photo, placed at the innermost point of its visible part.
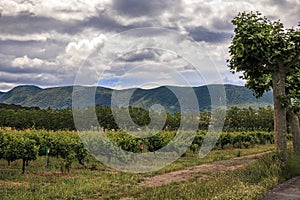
(294, 123)
(280, 125)
(23, 165)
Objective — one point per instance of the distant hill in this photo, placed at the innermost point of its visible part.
(19, 94)
(61, 97)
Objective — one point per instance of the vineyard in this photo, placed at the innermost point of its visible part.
(28, 145)
(123, 112)
(35, 132)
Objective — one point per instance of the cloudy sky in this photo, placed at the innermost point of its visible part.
(50, 43)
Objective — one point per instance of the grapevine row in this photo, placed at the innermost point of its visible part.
(28, 145)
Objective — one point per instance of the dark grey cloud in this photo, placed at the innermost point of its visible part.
(137, 8)
(27, 23)
(104, 22)
(285, 10)
(7, 68)
(46, 79)
(130, 60)
(208, 21)
(189, 67)
(37, 49)
(23, 78)
(223, 24)
(284, 4)
(202, 34)
(119, 69)
(140, 55)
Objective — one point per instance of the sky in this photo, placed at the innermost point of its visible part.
(124, 43)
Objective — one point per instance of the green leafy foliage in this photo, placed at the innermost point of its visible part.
(268, 55)
(248, 119)
(259, 47)
(27, 145)
(17, 146)
(237, 119)
(237, 139)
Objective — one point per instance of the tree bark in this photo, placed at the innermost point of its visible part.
(280, 125)
(295, 128)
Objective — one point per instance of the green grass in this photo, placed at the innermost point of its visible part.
(79, 183)
(251, 182)
(218, 186)
(192, 159)
(97, 181)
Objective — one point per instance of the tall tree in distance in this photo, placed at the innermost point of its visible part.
(265, 52)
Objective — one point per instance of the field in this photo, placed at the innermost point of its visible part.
(226, 173)
(97, 181)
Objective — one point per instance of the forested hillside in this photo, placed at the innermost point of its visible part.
(61, 97)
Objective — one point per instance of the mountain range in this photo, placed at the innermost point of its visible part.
(61, 97)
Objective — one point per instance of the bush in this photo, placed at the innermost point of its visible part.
(268, 166)
(270, 170)
(291, 168)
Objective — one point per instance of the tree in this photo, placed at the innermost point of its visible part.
(293, 102)
(265, 53)
(265, 119)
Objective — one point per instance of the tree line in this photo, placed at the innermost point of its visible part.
(237, 119)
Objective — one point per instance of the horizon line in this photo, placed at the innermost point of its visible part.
(112, 88)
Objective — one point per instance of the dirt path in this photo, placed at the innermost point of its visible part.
(187, 173)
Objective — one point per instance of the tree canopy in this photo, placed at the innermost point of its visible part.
(260, 47)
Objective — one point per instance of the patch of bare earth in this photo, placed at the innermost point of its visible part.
(187, 173)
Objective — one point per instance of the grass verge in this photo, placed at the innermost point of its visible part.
(251, 182)
(99, 182)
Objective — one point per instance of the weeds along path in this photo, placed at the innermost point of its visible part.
(189, 172)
